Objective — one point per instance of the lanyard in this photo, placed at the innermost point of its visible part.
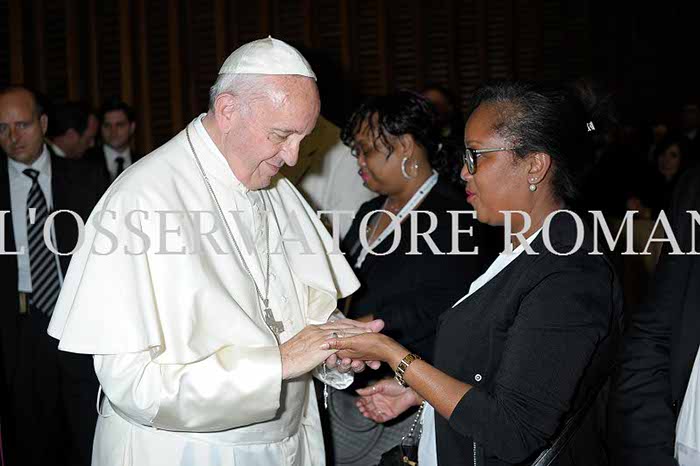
(410, 205)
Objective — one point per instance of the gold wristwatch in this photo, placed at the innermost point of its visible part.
(403, 365)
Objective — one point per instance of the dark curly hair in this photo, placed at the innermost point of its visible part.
(552, 119)
(406, 112)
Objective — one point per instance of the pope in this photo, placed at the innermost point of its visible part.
(205, 286)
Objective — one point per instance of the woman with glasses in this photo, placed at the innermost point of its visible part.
(407, 280)
(528, 347)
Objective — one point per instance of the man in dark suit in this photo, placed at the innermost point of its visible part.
(117, 127)
(48, 396)
(660, 347)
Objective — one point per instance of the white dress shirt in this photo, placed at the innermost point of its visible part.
(20, 184)
(688, 426)
(111, 156)
(427, 448)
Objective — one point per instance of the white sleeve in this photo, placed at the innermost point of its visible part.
(232, 387)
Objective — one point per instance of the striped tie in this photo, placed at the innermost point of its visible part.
(42, 262)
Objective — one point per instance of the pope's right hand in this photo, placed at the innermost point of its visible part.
(302, 353)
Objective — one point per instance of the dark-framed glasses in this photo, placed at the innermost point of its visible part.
(470, 156)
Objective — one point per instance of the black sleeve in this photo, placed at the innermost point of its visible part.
(556, 331)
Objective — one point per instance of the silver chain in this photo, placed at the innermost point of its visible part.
(228, 229)
(415, 422)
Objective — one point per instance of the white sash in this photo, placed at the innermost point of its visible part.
(416, 199)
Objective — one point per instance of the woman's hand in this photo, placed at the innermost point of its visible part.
(368, 347)
(357, 365)
(386, 400)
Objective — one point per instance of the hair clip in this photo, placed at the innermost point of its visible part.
(590, 126)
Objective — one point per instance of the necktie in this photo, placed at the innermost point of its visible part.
(120, 166)
(43, 266)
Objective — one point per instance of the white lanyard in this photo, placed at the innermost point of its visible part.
(410, 205)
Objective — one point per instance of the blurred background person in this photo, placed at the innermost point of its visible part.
(670, 160)
(447, 107)
(72, 130)
(117, 127)
(690, 124)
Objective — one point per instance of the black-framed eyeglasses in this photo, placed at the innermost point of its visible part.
(470, 156)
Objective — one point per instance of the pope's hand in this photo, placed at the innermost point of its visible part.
(386, 400)
(303, 352)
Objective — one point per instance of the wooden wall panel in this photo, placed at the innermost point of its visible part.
(249, 20)
(288, 19)
(109, 70)
(528, 42)
(436, 17)
(497, 39)
(162, 56)
(367, 25)
(403, 50)
(202, 66)
(159, 71)
(6, 38)
(468, 60)
(55, 43)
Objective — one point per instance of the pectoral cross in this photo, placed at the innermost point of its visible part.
(276, 326)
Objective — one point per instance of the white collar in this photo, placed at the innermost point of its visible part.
(113, 154)
(42, 164)
(57, 150)
(211, 146)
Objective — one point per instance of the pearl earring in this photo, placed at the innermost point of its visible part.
(533, 186)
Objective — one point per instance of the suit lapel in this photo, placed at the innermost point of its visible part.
(58, 183)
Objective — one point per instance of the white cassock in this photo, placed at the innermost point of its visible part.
(326, 174)
(190, 372)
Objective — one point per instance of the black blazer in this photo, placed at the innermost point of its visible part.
(95, 163)
(409, 291)
(659, 347)
(70, 191)
(534, 342)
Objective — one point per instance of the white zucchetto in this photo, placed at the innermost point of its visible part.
(267, 56)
